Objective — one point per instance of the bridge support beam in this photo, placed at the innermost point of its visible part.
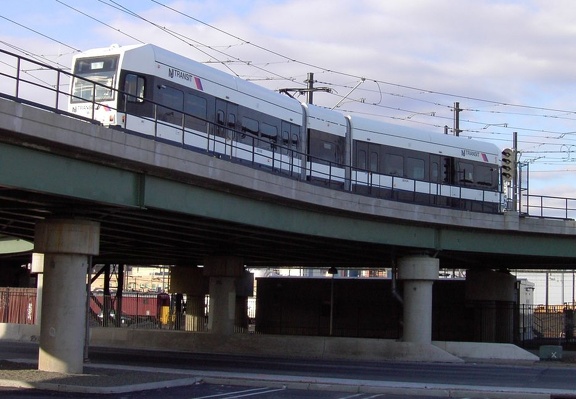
(418, 274)
(223, 272)
(67, 245)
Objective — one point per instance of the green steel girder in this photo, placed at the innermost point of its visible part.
(31, 170)
(37, 171)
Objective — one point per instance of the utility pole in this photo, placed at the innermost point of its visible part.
(515, 176)
(457, 119)
(309, 90)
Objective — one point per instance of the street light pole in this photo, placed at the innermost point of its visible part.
(333, 271)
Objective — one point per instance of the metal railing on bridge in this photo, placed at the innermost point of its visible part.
(545, 206)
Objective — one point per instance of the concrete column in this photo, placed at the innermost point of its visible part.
(222, 305)
(418, 273)
(244, 289)
(66, 245)
(38, 269)
(191, 281)
(223, 272)
(241, 313)
(194, 313)
(492, 294)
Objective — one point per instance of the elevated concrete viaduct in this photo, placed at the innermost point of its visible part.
(157, 203)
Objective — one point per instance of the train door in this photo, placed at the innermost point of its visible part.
(134, 113)
(361, 176)
(286, 152)
(446, 176)
(169, 114)
(435, 177)
(222, 141)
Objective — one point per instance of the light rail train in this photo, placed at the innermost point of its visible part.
(162, 95)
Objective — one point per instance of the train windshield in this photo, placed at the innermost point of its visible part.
(95, 79)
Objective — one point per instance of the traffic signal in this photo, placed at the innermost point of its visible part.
(508, 164)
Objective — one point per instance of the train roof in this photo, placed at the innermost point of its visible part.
(148, 58)
(326, 120)
(423, 140)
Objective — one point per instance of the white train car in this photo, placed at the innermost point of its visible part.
(402, 163)
(172, 98)
(158, 94)
(327, 140)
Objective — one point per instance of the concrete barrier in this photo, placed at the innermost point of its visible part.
(20, 332)
(486, 351)
(333, 348)
(270, 345)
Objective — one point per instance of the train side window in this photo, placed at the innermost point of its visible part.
(415, 168)
(250, 125)
(171, 98)
(486, 175)
(361, 160)
(196, 109)
(394, 165)
(295, 140)
(326, 148)
(269, 131)
(195, 106)
(286, 138)
(465, 172)
(134, 88)
(172, 101)
(435, 172)
(373, 161)
(232, 121)
(220, 117)
(220, 121)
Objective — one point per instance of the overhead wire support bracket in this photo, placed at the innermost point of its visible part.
(309, 90)
(302, 90)
(362, 80)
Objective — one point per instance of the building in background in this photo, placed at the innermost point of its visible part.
(136, 278)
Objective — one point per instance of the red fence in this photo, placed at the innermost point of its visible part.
(18, 305)
(137, 309)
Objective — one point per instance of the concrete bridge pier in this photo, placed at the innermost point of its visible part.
(191, 281)
(38, 270)
(67, 245)
(418, 273)
(244, 289)
(223, 272)
(492, 295)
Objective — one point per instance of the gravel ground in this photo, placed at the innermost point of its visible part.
(93, 376)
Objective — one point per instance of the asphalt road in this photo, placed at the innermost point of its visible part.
(543, 376)
(208, 391)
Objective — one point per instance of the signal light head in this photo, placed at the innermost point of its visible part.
(508, 164)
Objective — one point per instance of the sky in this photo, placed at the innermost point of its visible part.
(509, 64)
